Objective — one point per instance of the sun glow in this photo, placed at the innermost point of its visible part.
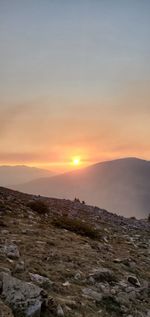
(76, 161)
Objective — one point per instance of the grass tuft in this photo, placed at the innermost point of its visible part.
(77, 226)
(39, 206)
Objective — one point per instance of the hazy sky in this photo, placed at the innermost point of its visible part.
(74, 81)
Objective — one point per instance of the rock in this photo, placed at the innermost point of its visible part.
(132, 295)
(123, 299)
(5, 311)
(41, 280)
(60, 312)
(77, 276)
(20, 267)
(11, 251)
(91, 280)
(133, 280)
(117, 260)
(92, 294)
(103, 275)
(24, 298)
(105, 239)
(104, 288)
(66, 284)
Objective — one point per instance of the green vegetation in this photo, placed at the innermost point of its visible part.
(77, 226)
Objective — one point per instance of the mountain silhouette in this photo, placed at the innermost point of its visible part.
(121, 186)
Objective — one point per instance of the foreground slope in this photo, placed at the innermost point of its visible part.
(46, 270)
(122, 186)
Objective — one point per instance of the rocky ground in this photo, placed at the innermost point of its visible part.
(48, 270)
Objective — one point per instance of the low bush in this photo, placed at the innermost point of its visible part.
(77, 226)
(39, 206)
(112, 306)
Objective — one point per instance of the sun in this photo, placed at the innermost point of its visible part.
(76, 161)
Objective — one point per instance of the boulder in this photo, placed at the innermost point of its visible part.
(24, 298)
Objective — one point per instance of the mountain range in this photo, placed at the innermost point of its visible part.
(121, 186)
(14, 175)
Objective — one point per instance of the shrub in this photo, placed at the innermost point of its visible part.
(149, 217)
(39, 206)
(111, 305)
(77, 226)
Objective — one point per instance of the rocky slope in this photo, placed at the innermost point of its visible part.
(69, 259)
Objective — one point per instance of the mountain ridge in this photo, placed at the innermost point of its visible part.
(14, 175)
(121, 186)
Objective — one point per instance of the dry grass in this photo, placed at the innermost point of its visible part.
(77, 226)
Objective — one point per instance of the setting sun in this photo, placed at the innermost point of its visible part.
(76, 161)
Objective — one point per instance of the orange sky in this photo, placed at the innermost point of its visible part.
(75, 81)
(40, 136)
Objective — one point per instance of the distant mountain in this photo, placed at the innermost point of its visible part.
(14, 175)
(122, 186)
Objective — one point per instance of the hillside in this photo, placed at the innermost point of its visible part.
(14, 175)
(69, 259)
(122, 186)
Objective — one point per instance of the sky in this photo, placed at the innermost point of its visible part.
(74, 81)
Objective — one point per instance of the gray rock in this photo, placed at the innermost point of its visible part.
(92, 294)
(122, 298)
(91, 280)
(41, 280)
(11, 250)
(104, 288)
(24, 298)
(60, 312)
(20, 267)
